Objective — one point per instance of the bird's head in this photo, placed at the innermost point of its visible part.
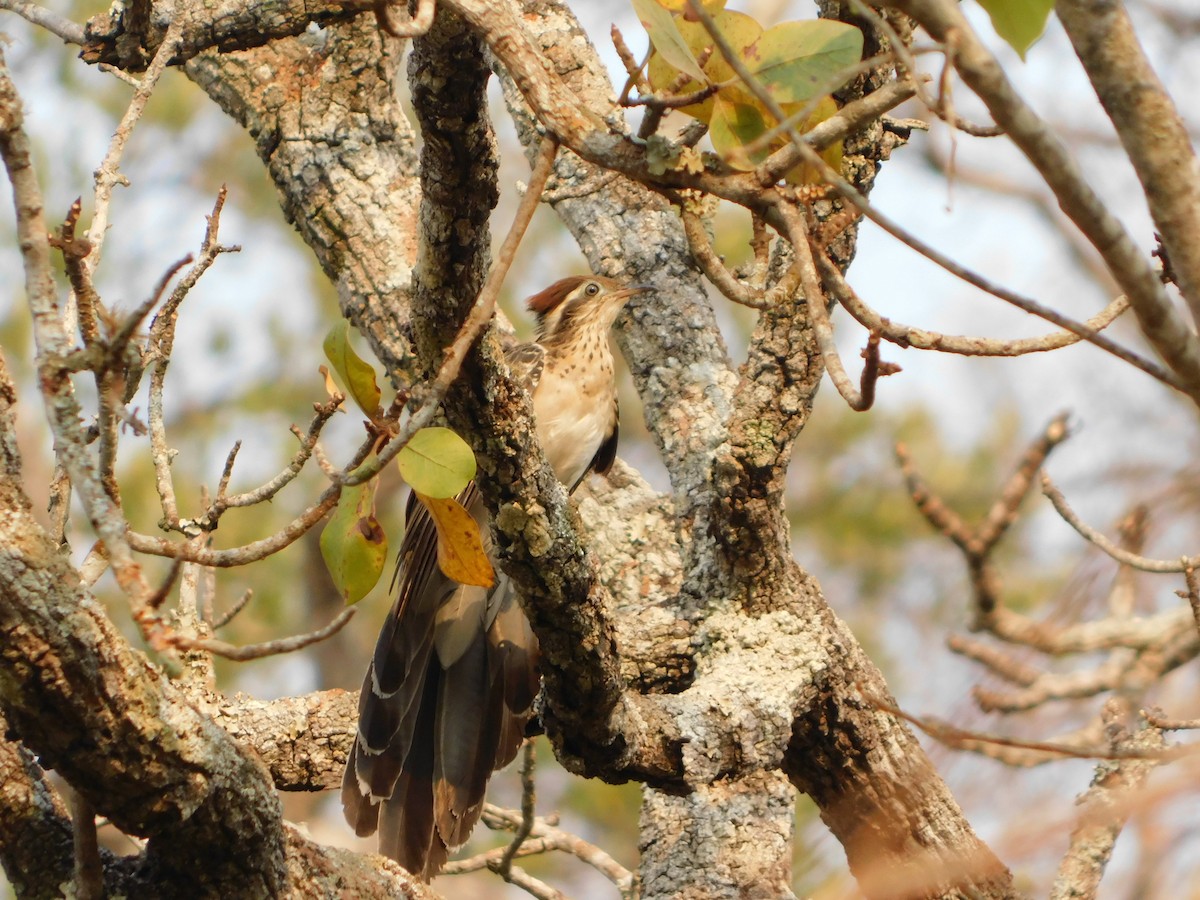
(578, 304)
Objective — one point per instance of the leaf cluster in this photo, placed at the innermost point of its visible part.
(797, 63)
(436, 463)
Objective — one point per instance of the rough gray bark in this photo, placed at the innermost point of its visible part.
(326, 119)
(123, 735)
(710, 668)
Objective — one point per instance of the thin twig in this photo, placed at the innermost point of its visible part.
(155, 600)
(89, 871)
(268, 648)
(1155, 718)
(633, 69)
(108, 173)
(266, 491)
(528, 803)
(158, 352)
(1192, 594)
(962, 739)
(70, 32)
(859, 399)
(715, 271)
(1121, 555)
(247, 553)
(551, 837)
(230, 613)
(908, 336)
(116, 380)
(533, 886)
(978, 543)
(75, 251)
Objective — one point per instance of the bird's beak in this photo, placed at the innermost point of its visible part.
(632, 291)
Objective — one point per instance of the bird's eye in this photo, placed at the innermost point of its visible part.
(592, 289)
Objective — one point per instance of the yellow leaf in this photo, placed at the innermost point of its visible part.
(356, 373)
(331, 387)
(460, 545)
(804, 173)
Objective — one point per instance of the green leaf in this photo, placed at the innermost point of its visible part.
(353, 544)
(796, 61)
(665, 36)
(1019, 22)
(437, 463)
(356, 374)
(733, 125)
(739, 29)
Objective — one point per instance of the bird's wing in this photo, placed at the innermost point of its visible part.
(607, 454)
(525, 361)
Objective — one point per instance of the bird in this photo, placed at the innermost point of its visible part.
(452, 682)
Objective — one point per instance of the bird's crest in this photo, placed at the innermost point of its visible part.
(549, 299)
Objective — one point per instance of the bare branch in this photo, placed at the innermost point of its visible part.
(962, 739)
(715, 271)
(1152, 132)
(89, 873)
(247, 553)
(1088, 637)
(1106, 806)
(70, 32)
(545, 837)
(528, 801)
(908, 336)
(1157, 720)
(978, 543)
(267, 648)
(857, 399)
(158, 353)
(229, 614)
(1163, 325)
(633, 69)
(308, 441)
(1193, 593)
(108, 173)
(1142, 563)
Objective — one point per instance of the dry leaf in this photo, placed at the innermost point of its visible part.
(460, 545)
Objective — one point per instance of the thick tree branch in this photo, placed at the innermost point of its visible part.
(341, 152)
(586, 710)
(121, 39)
(35, 831)
(1150, 127)
(1106, 806)
(120, 733)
